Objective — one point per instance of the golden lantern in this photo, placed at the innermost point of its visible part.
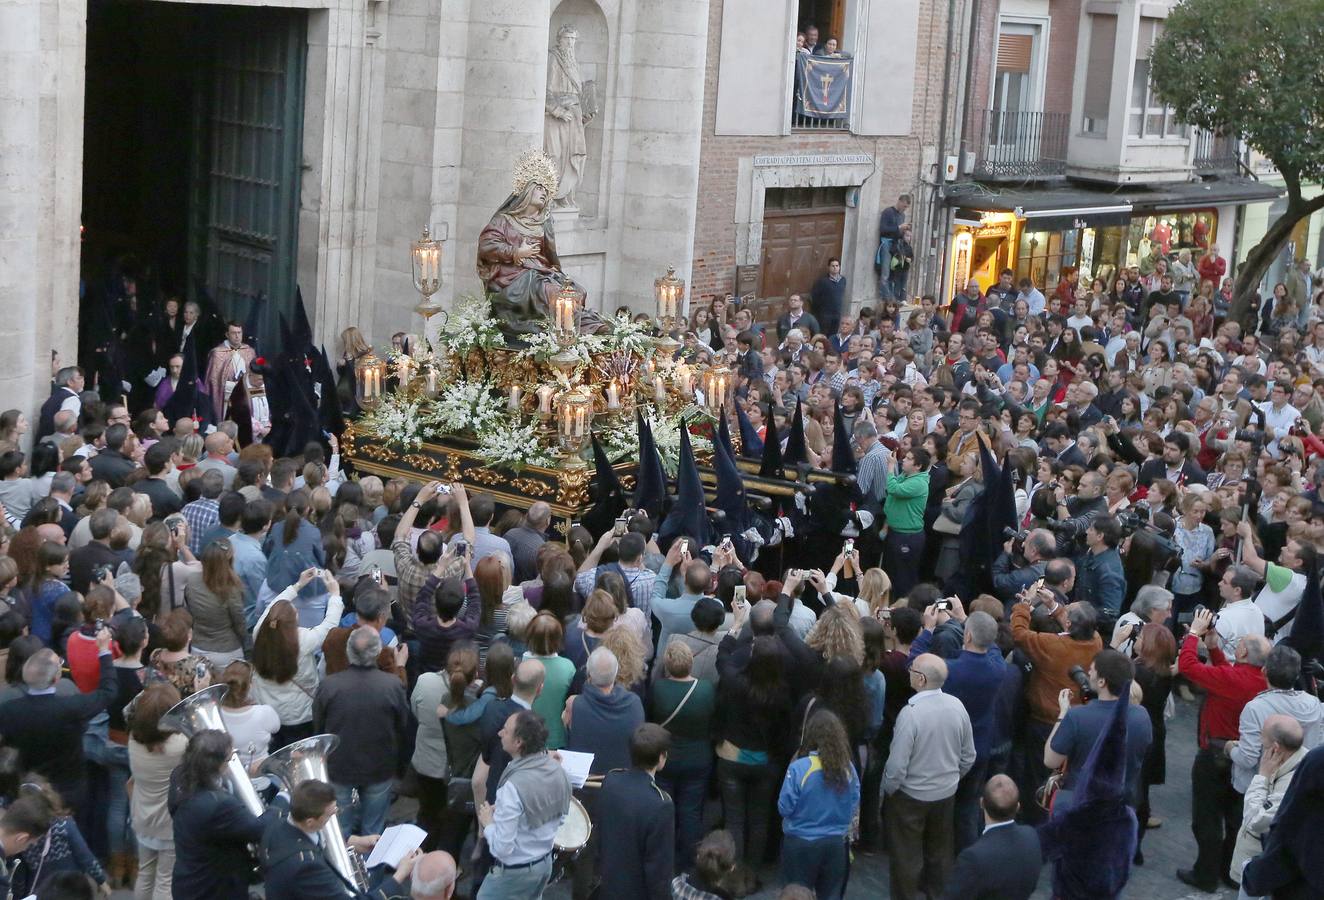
(574, 422)
(669, 291)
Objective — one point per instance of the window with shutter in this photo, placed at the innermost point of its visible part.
(1098, 74)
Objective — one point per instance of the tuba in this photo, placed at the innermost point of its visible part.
(306, 761)
(202, 712)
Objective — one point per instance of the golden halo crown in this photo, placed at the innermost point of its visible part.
(535, 167)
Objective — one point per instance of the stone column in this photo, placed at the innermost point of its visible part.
(42, 53)
(655, 206)
(20, 81)
(344, 94)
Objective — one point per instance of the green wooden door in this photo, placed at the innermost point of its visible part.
(248, 131)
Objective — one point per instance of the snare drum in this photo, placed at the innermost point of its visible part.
(574, 831)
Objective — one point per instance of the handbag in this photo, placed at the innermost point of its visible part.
(681, 704)
(1048, 791)
(945, 524)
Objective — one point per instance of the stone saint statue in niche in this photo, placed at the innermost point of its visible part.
(517, 259)
(571, 104)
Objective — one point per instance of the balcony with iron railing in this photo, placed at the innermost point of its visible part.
(1216, 152)
(1020, 145)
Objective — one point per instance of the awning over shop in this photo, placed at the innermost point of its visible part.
(1074, 205)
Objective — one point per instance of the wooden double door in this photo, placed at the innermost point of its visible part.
(797, 245)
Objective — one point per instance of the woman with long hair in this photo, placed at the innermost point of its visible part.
(153, 755)
(544, 638)
(285, 657)
(754, 711)
(875, 592)
(13, 425)
(966, 486)
(819, 798)
(1155, 651)
(211, 826)
(47, 586)
(837, 633)
(353, 347)
(216, 602)
(492, 575)
(251, 724)
(1068, 347)
(841, 689)
(293, 546)
(464, 743)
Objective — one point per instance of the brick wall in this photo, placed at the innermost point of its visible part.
(1060, 71)
(897, 158)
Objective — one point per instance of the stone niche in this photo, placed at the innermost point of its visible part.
(581, 232)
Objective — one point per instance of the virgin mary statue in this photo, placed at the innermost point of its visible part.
(517, 259)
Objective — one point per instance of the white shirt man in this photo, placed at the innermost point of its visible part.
(1279, 415)
(1239, 616)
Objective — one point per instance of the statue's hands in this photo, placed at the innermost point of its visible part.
(527, 251)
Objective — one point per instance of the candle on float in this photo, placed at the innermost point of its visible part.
(580, 412)
(516, 392)
(432, 379)
(659, 389)
(613, 396)
(545, 393)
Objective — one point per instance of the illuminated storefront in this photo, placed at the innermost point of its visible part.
(1041, 233)
(1043, 247)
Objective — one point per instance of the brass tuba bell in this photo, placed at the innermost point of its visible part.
(202, 712)
(306, 761)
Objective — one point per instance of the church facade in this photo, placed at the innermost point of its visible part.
(251, 151)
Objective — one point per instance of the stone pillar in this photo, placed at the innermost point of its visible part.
(344, 96)
(42, 54)
(20, 81)
(505, 82)
(655, 203)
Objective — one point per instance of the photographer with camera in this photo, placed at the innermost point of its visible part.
(1074, 514)
(1078, 727)
(1021, 562)
(1100, 578)
(1053, 657)
(907, 497)
(1216, 804)
(1152, 604)
(1238, 616)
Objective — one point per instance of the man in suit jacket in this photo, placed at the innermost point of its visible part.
(111, 465)
(158, 461)
(639, 849)
(295, 865)
(796, 317)
(1004, 863)
(1176, 464)
(46, 728)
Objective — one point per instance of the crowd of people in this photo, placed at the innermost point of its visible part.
(757, 710)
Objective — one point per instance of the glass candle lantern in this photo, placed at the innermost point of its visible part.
(574, 420)
(369, 380)
(565, 311)
(669, 291)
(716, 387)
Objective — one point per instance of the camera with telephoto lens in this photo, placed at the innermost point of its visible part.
(1082, 680)
(1017, 538)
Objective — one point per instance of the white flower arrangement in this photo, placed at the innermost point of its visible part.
(400, 420)
(514, 445)
(469, 406)
(468, 326)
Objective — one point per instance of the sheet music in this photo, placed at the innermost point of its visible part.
(576, 766)
(395, 843)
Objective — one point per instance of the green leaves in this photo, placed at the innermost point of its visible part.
(1249, 67)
